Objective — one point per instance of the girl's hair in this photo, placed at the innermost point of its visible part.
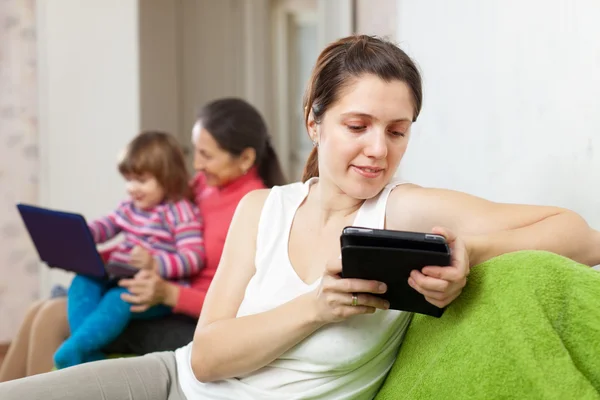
(345, 60)
(160, 155)
(236, 125)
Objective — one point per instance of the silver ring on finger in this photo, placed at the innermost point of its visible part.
(354, 300)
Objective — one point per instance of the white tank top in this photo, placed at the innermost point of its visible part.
(347, 360)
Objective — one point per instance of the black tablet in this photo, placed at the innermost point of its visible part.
(389, 256)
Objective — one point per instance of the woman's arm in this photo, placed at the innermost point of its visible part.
(490, 229)
(186, 300)
(225, 346)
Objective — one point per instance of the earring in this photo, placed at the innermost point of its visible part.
(315, 143)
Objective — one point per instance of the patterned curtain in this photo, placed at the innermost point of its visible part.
(19, 161)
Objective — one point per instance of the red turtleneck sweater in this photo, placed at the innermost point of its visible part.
(217, 205)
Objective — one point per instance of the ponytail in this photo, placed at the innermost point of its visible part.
(311, 168)
(269, 168)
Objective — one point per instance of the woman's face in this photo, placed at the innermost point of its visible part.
(219, 166)
(363, 136)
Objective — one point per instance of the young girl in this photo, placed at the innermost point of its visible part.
(162, 231)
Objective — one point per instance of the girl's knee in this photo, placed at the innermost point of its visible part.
(116, 292)
(114, 296)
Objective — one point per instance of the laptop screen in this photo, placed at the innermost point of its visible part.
(63, 240)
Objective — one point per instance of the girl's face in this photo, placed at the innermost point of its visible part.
(363, 136)
(218, 166)
(144, 190)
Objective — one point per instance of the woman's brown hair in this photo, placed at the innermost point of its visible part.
(345, 60)
(160, 155)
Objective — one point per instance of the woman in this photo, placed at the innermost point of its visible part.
(278, 321)
(233, 156)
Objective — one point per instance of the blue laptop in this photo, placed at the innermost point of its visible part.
(63, 240)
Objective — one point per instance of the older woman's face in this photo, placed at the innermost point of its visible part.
(219, 166)
(363, 136)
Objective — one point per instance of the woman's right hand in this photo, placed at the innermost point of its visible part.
(146, 289)
(334, 296)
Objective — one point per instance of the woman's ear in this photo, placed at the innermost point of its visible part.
(312, 128)
(196, 131)
(247, 159)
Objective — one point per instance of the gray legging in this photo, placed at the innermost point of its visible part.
(151, 377)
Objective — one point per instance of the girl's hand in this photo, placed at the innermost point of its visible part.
(338, 298)
(441, 285)
(141, 258)
(147, 289)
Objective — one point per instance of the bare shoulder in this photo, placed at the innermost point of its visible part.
(405, 188)
(245, 220)
(411, 194)
(255, 197)
(408, 194)
(243, 229)
(413, 207)
(252, 204)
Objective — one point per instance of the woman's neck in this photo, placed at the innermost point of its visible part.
(332, 204)
(252, 174)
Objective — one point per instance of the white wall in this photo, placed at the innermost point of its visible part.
(224, 50)
(335, 20)
(89, 108)
(159, 24)
(380, 20)
(512, 99)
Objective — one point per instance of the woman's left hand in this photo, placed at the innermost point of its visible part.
(146, 289)
(441, 285)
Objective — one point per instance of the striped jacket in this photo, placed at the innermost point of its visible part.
(171, 232)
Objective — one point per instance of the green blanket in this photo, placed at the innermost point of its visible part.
(527, 326)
